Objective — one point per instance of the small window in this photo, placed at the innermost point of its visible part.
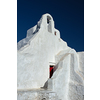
(55, 33)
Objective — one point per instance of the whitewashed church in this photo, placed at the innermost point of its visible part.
(47, 68)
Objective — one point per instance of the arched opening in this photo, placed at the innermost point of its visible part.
(49, 24)
(48, 19)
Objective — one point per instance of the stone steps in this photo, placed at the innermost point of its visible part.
(37, 94)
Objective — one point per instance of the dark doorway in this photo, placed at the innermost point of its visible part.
(51, 70)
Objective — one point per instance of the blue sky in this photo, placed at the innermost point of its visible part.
(67, 14)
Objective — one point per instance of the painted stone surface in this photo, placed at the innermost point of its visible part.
(37, 95)
(45, 61)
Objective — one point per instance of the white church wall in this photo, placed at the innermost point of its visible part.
(66, 80)
(33, 60)
(40, 49)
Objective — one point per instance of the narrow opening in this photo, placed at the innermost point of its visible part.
(55, 32)
(48, 21)
(49, 24)
(51, 70)
(44, 99)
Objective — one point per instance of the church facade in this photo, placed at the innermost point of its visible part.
(47, 68)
